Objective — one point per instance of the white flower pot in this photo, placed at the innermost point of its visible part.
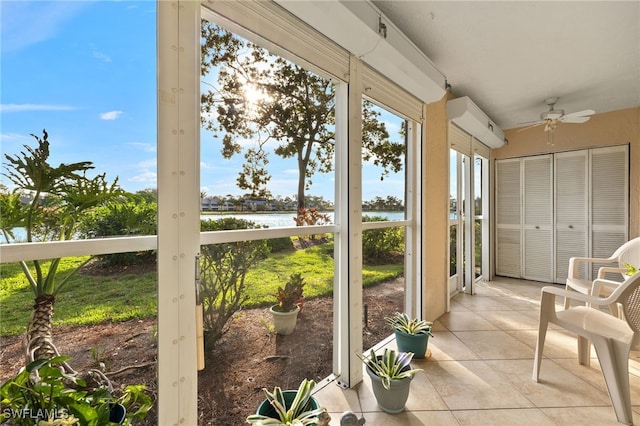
(284, 322)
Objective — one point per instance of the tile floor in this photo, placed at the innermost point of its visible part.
(480, 370)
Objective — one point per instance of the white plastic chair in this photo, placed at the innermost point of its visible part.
(629, 253)
(612, 337)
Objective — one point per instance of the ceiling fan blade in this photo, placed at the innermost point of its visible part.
(567, 119)
(584, 113)
(535, 124)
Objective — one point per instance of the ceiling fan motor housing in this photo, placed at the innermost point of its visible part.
(553, 114)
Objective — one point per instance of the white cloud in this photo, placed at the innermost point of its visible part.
(145, 177)
(143, 146)
(146, 172)
(34, 107)
(29, 22)
(17, 137)
(99, 55)
(111, 115)
(206, 166)
(148, 164)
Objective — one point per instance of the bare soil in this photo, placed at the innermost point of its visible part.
(248, 358)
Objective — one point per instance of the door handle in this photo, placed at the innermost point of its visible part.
(570, 226)
(537, 227)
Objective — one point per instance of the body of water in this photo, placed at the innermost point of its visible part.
(279, 220)
(272, 220)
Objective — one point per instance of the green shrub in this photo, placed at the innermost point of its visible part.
(381, 244)
(280, 244)
(136, 216)
(223, 268)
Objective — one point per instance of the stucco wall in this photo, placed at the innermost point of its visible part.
(435, 205)
(611, 128)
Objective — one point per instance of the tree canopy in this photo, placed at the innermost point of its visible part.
(260, 97)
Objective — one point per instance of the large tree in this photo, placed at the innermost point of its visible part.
(59, 195)
(255, 96)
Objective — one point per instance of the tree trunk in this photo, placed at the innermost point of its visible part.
(39, 340)
(302, 170)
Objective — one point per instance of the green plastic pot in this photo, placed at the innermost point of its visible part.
(416, 343)
(266, 409)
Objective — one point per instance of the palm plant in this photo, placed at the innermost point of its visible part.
(404, 323)
(59, 196)
(391, 365)
(299, 412)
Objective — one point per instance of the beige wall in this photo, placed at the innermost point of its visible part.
(435, 207)
(611, 128)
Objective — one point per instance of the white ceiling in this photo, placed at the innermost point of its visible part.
(509, 56)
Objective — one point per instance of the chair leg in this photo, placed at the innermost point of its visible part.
(614, 362)
(542, 333)
(614, 310)
(584, 351)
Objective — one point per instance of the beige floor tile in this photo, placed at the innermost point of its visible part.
(465, 385)
(512, 288)
(559, 344)
(557, 387)
(515, 416)
(446, 346)
(601, 416)
(460, 321)
(365, 396)
(512, 320)
(455, 306)
(481, 303)
(335, 399)
(423, 396)
(437, 326)
(521, 302)
(494, 345)
(413, 418)
(481, 366)
(593, 375)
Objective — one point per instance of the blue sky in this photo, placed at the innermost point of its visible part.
(86, 72)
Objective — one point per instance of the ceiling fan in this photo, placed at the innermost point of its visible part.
(551, 118)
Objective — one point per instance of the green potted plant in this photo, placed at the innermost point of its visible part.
(290, 300)
(391, 376)
(290, 407)
(44, 394)
(630, 269)
(412, 335)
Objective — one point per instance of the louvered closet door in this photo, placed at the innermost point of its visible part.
(572, 211)
(508, 218)
(537, 253)
(610, 202)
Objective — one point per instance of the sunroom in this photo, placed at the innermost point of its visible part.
(480, 206)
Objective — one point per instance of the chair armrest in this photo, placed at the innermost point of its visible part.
(575, 261)
(603, 270)
(574, 295)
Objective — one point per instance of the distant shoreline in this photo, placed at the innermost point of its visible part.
(217, 213)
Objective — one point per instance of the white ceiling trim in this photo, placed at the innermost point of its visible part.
(356, 26)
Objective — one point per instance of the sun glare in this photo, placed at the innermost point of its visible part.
(253, 94)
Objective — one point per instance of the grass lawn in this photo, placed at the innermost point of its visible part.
(89, 299)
